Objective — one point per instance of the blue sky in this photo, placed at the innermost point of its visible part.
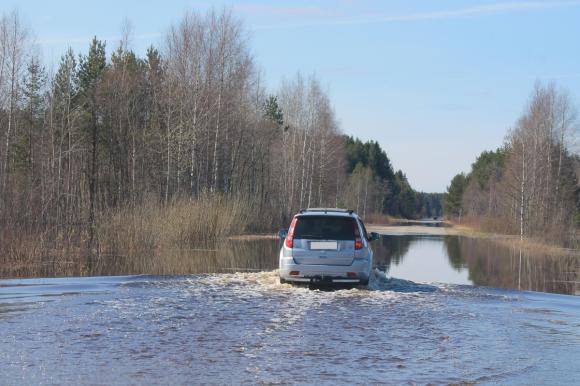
(434, 82)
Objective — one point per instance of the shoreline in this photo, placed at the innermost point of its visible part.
(451, 229)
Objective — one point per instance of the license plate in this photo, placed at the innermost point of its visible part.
(317, 245)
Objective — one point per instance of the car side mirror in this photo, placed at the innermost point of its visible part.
(374, 236)
(282, 233)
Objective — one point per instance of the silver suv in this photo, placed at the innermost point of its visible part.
(326, 245)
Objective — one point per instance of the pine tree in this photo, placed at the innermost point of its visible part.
(452, 200)
(272, 110)
(91, 70)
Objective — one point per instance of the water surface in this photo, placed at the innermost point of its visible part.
(433, 314)
(422, 258)
(477, 261)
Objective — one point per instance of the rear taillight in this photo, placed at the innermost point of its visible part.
(290, 236)
(358, 244)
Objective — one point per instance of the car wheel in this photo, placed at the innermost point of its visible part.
(364, 282)
(282, 281)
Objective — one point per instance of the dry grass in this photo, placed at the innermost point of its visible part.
(488, 224)
(40, 253)
(125, 235)
(534, 246)
(186, 223)
(487, 229)
(380, 219)
(470, 230)
(557, 235)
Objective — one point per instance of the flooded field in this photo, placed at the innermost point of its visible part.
(438, 310)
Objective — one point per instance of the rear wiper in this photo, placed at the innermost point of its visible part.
(310, 237)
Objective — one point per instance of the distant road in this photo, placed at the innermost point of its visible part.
(415, 227)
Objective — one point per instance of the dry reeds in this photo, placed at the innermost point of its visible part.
(146, 230)
(185, 223)
(379, 219)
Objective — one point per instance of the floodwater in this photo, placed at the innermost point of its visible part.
(438, 310)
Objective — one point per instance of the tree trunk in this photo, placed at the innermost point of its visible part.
(522, 189)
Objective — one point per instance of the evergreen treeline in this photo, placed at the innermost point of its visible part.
(105, 137)
(530, 186)
(376, 188)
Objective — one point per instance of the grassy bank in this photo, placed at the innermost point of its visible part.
(555, 235)
(539, 245)
(473, 231)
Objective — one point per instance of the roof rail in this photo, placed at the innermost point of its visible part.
(326, 210)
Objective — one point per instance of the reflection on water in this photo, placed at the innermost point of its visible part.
(419, 258)
(495, 265)
(231, 255)
(442, 259)
(477, 261)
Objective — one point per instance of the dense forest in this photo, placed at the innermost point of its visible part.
(185, 138)
(531, 185)
(376, 188)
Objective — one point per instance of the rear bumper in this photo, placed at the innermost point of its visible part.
(357, 272)
(323, 280)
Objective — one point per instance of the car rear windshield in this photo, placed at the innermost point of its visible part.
(324, 228)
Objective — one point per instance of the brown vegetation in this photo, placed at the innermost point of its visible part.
(185, 224)
(128, 155)
(498, 233)
(130, 234)
(379, 219)
(116, 154)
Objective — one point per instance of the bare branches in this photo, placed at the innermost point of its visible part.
(531, 183)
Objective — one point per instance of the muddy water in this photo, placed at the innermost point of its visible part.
(434, 313)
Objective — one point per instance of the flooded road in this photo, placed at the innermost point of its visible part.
(430, 315)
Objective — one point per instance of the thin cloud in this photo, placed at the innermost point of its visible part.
(440, 15)
(480, 10)
(261, 9)
(316, 11)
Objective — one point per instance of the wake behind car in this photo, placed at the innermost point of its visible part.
(325, 245)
